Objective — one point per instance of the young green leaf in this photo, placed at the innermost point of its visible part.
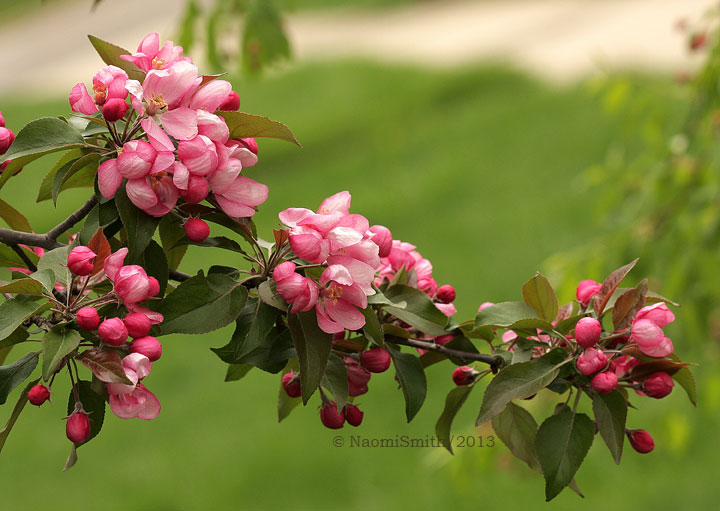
(610, 414)
(336, 380)
(419, 310)
(14, 312)
(506, 315)
(453, 402)
(539, 294)
(686, 380)
(372, 328)
(237, 372)
(243, 125)
(110, 54)
(171, 231)
(57, 344)
(254, 324)
(14, 374)
(561, 444)
(139, 225)
(410, 373)
(517, 428)
(14, 218)
(313, 349)
(519, 381)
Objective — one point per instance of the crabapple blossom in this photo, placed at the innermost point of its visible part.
(148, 346)
(150, 55)
(640, 440)
(81, 101)
(38, 395)
(658, 385)
(88, 318)
(605, 382)
(382, 237)
(331, 417)
(587, 332)
(81, 260)
(114, 109)
(298, 291)
(7, 137)
(77, 427)
(586, 289)
(231, 103)
(591, 361)
(113, 332)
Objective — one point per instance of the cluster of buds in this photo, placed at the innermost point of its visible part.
(7, 137)
(173, 145)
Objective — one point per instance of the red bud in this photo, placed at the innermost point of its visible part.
(641, 440)
(148, 346)
(291, 384)
(137, 324)
(330, 417)
(376, 360)
(353, 415)
(197, 230)
(113, 332)
(658, 385)
(77, 427)
(88, 318)
(446, 294)
(114, 109)
(464, 375)
(231, 103)
(7, 137)
(38, 394)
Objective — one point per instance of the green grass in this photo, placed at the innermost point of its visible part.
(478, 169)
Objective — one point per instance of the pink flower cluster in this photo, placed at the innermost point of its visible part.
(347, 246)
(188, 153)
(7, 137)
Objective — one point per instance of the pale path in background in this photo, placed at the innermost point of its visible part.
(559, 40)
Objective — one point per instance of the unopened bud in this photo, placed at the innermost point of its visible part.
(137, 324)
(88, 318)
(291, 384)
(587, 332)
(197, 230)
(658, 385)
(464, 375)
(330, 417)
(382, 237)
(605, 382)
(113, 332)
(7, 137)
(353, 415)
(114, 109)
(376, 360)
(81, 260)
(641, 440)
(77, 427)
(231, 102)
(446, 294)
(148, 346)
(38, 395)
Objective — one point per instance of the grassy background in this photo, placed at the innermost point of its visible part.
(479, 169)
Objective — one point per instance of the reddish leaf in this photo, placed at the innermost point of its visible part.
(210, 78)
(664, 365)
(628, 304)
(99, 244)
(564, 312)
(106, 365)
(609, 286)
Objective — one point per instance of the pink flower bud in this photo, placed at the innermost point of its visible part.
(115, 109)
(7, 137)
(591, 361)
(485, 305)
(464, 375)
(38, 395)
(197, 189)
(137, 324)
(587, 332)
(376, 360)
(153, 287)
(330, 417)
(623, 364)
(658, 385)
(650, 338)
(196, 230)
(231, 102)
(446, 294)
(300, 292)
(80, 101)
(657, 313)
(2, 120)
(113, 332)
(132, 284)
(358, 377)
(586, 290)
(81, 260)
(148, 346)
(136, 159)
(353, 415)
(77, 427)
(248, 143)
(641, 440)
(88, 318)
(605, 382)
(291, 384)
(199, 155)
(382, 237)
(114, 262)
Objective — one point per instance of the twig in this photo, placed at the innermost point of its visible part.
(178, 276)
(31, 266)
(494, 361)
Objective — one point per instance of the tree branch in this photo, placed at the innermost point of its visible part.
(493, 360)
(179, 276)
(81, 213)
(31, 266)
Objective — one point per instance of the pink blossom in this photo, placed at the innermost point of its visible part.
(109, 83)
(448, 309)
(337, 310)
(136, 159)
(7, 137)
(623, 364)
(605, 382)
(210, 96)
(156, 194)
(231, 103)
(149, 55)
(132, 284)
(245, 143)
(300, 292)
(241, 197)
(80, 101)
(140, 403)
(212, 126)
(485, 305)
(338, 203)
(309, 244)
(657, 313)
(114, 262)
(382, 237)
(196, 188)
(199, 155)
(586, 290)
(650, 338)
(591, 361)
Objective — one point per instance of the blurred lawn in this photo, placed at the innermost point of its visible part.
(479, 169)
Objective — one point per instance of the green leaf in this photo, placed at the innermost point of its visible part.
(215, 242)
(26, 286)
(14, 312)
(609, 286)
(252, 331)
(336, 380)
(20, 335)
(268, 294)
(519, 381)
(106, 365)
(419, 310)
(410, 373)
(93, 404)
(686, 380)
(171, 231)
(66, 172)
(453, 402)
(14, 374)
(9, 258)
(244, 125)
(264, 39)
(17, 410)
(286, 404)
(46, 278)
(110, 54)
(36, 139)
(611, 413)
(506, 315)
(539, 294)
(57, 344)
(517, 428)
(313, 349)
(14, 218)
(372, 328)
(561, 443)
(202, 304)
(237, 372)
(139, 225)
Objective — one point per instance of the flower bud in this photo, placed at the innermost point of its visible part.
(113, 332)
(605, 382)
(591, 361)
(587, 332)
(358, 377)
(248, 143)
(137, 324)
(88, 318)
(231, 102)
(197, 189)
(382, 237)
(658, 385)
(38, 395)
(640, 440)
(77, 427)
(114, 109)
(132, 284)
(7, 137)
(136, 159)
(376, 360)
(197, 230)
(81, 260)
(153, 287)
(464, 375)
(330, 417)
(291, 384)
(2, 120)
(148, 346)
(446, 294)
(353, 415)
(586, 290)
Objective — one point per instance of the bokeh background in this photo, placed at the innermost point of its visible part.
(480, 131)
